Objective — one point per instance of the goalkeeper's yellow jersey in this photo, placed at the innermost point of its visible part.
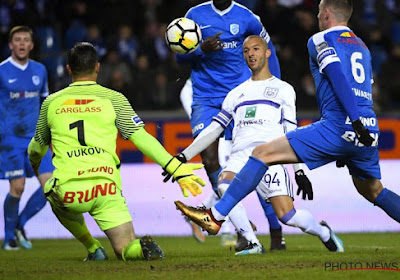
(81, 122)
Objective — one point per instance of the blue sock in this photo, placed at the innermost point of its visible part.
(11, 205)
(244, 183)
(35, 203)
(213, 177)
(269, 213)
(390, 203)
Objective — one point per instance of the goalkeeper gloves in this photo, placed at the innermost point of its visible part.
(362, 133)
(181, 158)
(183, 174)
(304, 185)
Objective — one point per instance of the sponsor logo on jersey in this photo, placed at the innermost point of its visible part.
(137, 120)
(250, 112)
(13, 173)
(73, 110)
(243, 123)
(234, 28)
(241, 95)
(10, 81)
(85, 152)
(371, 122)
(270, 92)
(197, 127)
(36, 80)
(101, 169)
(350, 38)
(77, 102)
(204, 26)
(348, 34)
(24, 94)
(88, 195)
(230, 45)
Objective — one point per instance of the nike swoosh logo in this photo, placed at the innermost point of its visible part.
(204, 26)
(10, 81)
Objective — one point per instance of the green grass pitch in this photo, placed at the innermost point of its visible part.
(305, 258)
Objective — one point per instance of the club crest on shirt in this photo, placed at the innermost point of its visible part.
(234, 28)
(270, 92)
(36, 80)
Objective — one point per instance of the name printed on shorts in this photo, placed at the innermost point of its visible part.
(88, 195)
(101, 169)
(85, 152)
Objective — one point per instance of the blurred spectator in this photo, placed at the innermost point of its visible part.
(154, 45)
(144, 79)
(377, 45)
(164, 94)
(127, 44)
(390, 79)
(111, 64)
(94, 37)
(277, 19)
(118, 83)
(75, 33)
(306, 26)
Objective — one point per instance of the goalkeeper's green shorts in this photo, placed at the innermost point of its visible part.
(100, 197)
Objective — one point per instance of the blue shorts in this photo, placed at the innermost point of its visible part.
(15, 161)
(321, 142)
(202, 114)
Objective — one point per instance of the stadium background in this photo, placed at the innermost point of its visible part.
(129, 36)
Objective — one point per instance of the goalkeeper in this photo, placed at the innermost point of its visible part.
(81, 122)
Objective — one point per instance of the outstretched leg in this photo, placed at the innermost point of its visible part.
(284, 208)
(374, 192)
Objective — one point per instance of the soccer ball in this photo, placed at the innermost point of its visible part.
(183, 35)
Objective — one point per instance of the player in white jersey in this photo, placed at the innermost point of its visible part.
(262, 108)
(224, 147)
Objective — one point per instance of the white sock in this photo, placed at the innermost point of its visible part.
(306, 222)
(239, 219)
(226, 227)
(211, 200)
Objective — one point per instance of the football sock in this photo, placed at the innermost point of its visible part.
(269, 213)
(11, 205)
(77, 226)
(244, 183)
(306, 222)
(132, 251)
(389, 202)
(211, 200)
(213, 177)
(90, 243)
(238, 216)
(35, 203)
(239, 219)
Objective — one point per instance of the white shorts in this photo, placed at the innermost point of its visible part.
(275, 182)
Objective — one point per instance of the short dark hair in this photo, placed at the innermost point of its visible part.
(263, 42)
(342, 9)
(82, 58)
(19, 28)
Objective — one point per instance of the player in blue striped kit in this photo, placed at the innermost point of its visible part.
(218, 66)
(23, 84)
(347, 131)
